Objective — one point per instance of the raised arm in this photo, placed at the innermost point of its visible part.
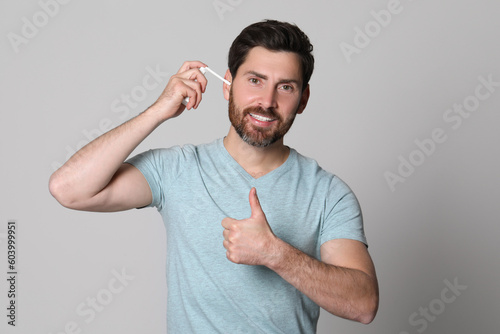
(96, 178)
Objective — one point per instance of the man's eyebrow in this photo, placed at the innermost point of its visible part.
(257, 74)
(265, 77)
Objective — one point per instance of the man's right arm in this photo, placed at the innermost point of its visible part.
(96, 179)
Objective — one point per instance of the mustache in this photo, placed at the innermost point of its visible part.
(270, 113)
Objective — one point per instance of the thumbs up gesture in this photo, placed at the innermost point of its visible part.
(249, 241)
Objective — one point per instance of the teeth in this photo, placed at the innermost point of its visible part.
(261, 118)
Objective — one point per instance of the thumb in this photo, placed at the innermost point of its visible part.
(255, 203)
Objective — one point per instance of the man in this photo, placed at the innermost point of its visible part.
(259, 237)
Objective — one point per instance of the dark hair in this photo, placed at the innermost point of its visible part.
(275, 36)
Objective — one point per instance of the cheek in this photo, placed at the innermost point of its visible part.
(289, 106)
(244, 98)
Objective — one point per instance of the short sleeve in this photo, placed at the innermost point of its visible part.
(343, 218)
(160, 167)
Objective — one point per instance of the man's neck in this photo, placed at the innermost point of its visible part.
(256, 161)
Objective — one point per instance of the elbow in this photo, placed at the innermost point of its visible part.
(69, 195)
(367, 317)
(59, 191)
(369, 309)
(369, 303)
(363, 310)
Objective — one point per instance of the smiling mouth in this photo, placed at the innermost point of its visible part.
(262, 118)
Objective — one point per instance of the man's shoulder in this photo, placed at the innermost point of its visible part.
(311, 171)
(309, 165)
(187, 150)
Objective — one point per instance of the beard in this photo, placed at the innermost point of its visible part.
(252, 134)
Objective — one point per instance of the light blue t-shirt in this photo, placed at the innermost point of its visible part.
(194, 188)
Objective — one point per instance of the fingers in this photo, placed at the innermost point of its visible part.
(192, 76)
(227, 222)
(191, 83)
(255, 203)
(247, 241)
(193, 91)
(187, 65)
(187, 82)
(228, 243)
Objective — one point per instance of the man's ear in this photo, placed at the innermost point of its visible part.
(225, 87)
(303, 100)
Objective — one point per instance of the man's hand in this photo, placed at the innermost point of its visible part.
(187, 82)
(249, 241)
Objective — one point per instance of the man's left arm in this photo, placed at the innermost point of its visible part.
(344, 282)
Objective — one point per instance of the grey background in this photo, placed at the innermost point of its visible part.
(64, 85)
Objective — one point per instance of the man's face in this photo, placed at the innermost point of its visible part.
(265, 96)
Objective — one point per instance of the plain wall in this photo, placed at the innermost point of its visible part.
(400, 108)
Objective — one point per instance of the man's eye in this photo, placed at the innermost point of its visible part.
(287, 87)
(254, 80)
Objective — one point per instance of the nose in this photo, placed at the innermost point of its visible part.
(268, 98)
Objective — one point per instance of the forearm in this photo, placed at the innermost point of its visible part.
(90, 169)
(348, 293)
